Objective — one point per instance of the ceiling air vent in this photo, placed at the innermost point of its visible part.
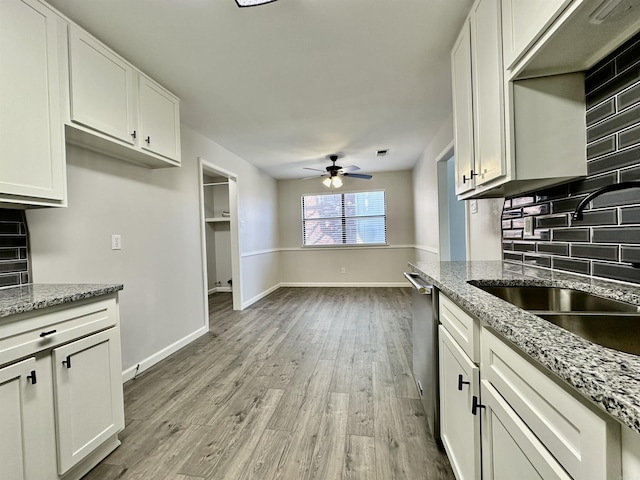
(382, 153)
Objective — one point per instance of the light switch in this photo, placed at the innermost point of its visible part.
(473, 206)
(528, 226)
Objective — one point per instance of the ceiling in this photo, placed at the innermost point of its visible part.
(285, 84)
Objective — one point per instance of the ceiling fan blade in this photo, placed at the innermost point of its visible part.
(314, 169)
(314, 176)
(358, 175)
(350, 168)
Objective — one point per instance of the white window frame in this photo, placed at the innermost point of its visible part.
(343, 217)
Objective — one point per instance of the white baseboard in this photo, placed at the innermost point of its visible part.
(345, 284)
(218, 289)
(260, 295)
(148, 362)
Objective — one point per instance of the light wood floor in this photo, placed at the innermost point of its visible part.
(308, 383)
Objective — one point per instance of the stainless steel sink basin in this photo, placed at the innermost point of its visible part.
(617, 331)
(555, 299)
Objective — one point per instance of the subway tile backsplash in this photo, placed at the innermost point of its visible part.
(14, 248)
(606, 243)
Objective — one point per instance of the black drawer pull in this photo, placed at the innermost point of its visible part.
(46, 334)
(133, 134)
(475, 405)
(460, 382)
(32, 377)
(67, 362)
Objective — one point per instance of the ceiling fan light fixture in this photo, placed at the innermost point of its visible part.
(252, 3)
(332, 182)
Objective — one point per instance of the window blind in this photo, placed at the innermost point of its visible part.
(344, 219)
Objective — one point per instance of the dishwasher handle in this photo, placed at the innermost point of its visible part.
(420, 287)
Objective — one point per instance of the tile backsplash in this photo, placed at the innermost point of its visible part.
(14, 248)
(606, 243)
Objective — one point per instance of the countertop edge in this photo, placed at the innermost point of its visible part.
(31, 297)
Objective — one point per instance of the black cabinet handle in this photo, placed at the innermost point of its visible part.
(475, 405)
(32, 377)
(134, 134)
(460, 382)
(67, 362)
(465, 178)
(148, 140)
(46, 334)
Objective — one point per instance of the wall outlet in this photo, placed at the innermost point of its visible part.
(116, 242)
(343, 270)
(473, 206)
(528, 226)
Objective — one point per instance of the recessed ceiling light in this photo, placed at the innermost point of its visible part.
(382, 153)
(252, 3)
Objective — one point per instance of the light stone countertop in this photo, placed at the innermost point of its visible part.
(30, 297)
(609, 378)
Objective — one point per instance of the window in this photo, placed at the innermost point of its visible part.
(344, 219)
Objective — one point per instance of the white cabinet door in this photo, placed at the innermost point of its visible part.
(460, 429)
(509, 449)
(19, 422)
(32, 155)
(523, 22)
(102, 88)
(88, 395)
(159, 120)
(488, 93)
(463, 110)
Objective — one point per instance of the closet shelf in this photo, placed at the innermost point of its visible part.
(217, 219)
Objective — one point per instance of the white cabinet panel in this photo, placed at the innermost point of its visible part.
(19, 422)
(159, 120)
(509, 449)
(486, 48)
(463, 110)
(32, 155)
(460, 429)
(88, 395)
(102, 87)
(523, 22)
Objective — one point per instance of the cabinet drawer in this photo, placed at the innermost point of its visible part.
(584, 441)
(464, 328)
(31, 332)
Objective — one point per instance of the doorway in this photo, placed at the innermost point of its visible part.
(219, 227)
(451, 213)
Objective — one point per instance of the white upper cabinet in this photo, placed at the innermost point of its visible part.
(159, 120)
(102, 88)
(523, 22)
(463, 110)
(32, 153)
(116, 109)
(486, 61)
(524, 134)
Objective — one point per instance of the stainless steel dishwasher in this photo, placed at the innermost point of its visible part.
(425, 349)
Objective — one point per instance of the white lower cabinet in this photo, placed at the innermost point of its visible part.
(460, 428)
(20, 397)
(88, 395)
(509, 449)
(61, 403)
(509, 418)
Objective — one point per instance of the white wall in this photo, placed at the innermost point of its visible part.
(484, 236)
(160, 264)
(425, 187)
(364, 265)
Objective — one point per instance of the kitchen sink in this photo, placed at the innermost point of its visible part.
(556, 299)
(617, 331)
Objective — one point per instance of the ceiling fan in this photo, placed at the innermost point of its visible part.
(333, 173)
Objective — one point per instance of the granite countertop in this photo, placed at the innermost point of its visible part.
(611, 379)
(42, 295)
